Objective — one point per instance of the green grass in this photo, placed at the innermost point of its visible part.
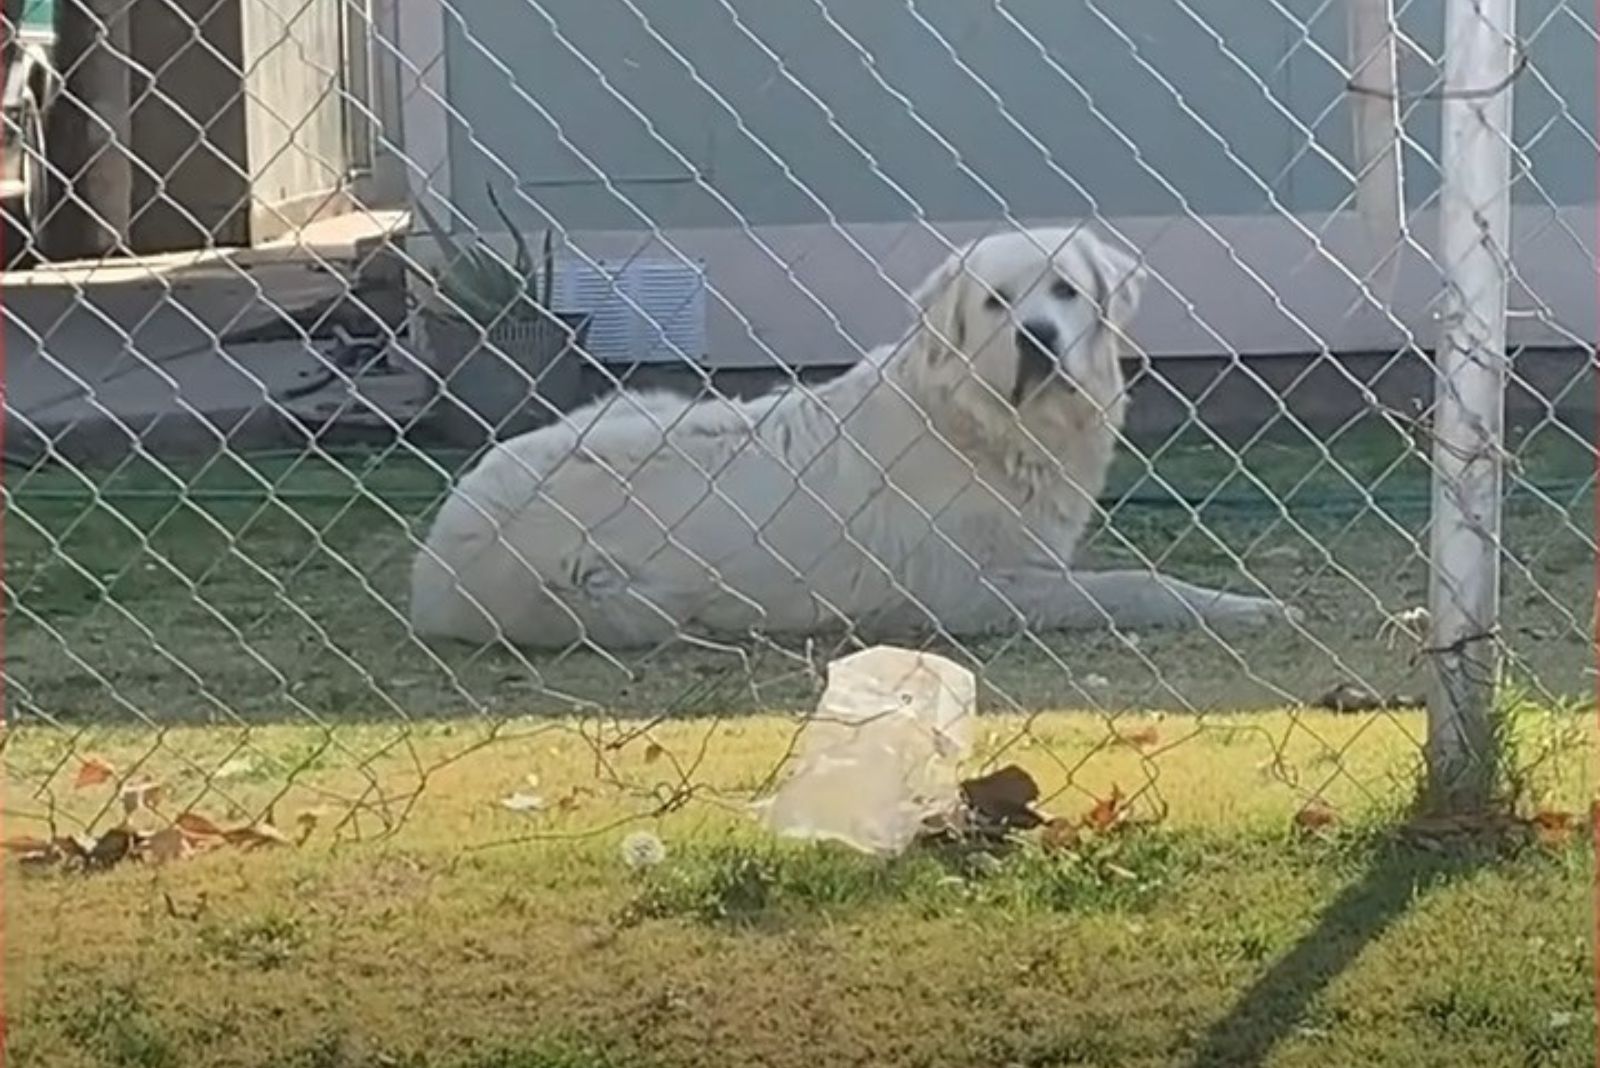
(274, 589)
(236, 631)
(441, 929)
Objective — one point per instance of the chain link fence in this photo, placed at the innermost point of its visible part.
(1153, 293)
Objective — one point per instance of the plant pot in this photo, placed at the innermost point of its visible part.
(516, 377)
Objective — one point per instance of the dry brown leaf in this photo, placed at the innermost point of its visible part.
(111, 849)
(569, 800)
(1003, 798)
(255, 836)
(1059, 836)
(27, 844)
(194, 825)
(93, 771)
(1553, 829)
(43, 852)
(1009, 787)
(653, 753)
(307, 820)
(1144, 738)
(1107, 812)
(141, 795)
(1315, 816)
(166, 845)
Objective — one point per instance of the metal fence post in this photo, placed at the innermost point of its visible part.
(1464, 585)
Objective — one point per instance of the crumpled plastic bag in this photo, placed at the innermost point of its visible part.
(881, 754)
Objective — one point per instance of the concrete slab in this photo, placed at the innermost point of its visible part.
(166, 355)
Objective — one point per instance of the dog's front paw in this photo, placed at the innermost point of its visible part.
(1258, 612)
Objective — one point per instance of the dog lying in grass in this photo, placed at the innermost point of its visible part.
(941, 484)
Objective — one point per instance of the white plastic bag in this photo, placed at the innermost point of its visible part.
(881, 753)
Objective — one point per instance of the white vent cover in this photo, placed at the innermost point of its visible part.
(643, 311)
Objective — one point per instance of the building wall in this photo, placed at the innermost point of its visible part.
(1211, 132)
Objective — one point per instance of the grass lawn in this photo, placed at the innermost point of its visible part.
(273, 589)
(236, 632)
(443, 928)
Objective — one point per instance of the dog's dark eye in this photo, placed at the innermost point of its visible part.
(1062, 289)
(996, 300)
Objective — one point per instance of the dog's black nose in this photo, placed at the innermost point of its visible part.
(1040, 334)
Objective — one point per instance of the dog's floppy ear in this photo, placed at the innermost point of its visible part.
(939, 299)
(1121, 281)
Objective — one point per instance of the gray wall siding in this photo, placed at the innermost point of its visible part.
(957, 110)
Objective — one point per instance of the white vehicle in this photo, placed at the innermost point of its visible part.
(27, 39)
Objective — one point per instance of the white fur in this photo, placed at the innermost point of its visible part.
(908, 494)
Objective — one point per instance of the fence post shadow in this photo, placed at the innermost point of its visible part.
(1398, 875)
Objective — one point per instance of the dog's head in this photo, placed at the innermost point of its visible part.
(1037, 316)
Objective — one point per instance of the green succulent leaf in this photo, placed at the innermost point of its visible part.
(476, 281)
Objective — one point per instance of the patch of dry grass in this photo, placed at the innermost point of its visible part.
(441, 928)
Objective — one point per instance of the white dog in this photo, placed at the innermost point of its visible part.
(941, 484)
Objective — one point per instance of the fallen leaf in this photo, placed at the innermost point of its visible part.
(1059, 836)
(92, 772)
(1553, 829)
(42, 852)
(569, 800)
(111, 848)
(1315, 816)
(1106, 813)
(307, 820)
(1003, 797)
(653, 753)
(166, 845)
(142, 795)
(1144, 738)
(520, 802)
(76, 846)
(256, 835)
(27, 844)
(191, 913)
(194, 825)
(1010, 787)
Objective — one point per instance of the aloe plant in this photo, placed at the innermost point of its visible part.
(476, 281)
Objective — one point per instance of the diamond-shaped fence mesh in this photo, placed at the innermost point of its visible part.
(1092, 346)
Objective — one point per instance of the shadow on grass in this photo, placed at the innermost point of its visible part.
(1397, 876)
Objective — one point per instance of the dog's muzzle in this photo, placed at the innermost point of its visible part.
(1041, 336)
(1038, 358)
